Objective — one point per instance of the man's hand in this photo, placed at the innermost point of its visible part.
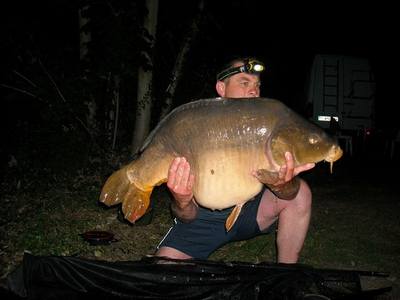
(180, 183)
(283, 183)
(288, 171)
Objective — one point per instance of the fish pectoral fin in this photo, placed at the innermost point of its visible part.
(115, 188)
(267, 177)
(230, 221)
(135, 203)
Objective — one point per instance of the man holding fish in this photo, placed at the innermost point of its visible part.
(284, 203)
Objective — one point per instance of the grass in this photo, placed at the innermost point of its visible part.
(355, 224)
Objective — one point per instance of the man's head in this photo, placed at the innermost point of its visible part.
(240, 79)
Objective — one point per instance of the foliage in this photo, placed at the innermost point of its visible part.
(50, 95)
(56, 104)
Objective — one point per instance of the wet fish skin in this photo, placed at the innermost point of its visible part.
(224, 141)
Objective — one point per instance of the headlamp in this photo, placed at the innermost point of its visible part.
(250, 66)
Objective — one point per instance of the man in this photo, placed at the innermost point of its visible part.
(287, 200)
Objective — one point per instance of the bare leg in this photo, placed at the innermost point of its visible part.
(294, 218)
(172, 253)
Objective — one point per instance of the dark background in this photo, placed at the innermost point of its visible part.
(40, 41)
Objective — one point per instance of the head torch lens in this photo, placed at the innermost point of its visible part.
(258, 68)
(254, 66)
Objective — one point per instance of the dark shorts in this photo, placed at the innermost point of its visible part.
(207, 233)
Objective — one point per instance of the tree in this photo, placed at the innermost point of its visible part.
(84, 35)
(145, 79)
(180, 60)
(85, 38)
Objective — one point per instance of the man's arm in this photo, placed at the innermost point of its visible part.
(187, 213)
(180, 183)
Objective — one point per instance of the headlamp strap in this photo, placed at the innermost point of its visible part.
(250, 66)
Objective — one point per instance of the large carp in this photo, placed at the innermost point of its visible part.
(224, 141)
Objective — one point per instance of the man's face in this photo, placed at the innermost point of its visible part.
(242, 85)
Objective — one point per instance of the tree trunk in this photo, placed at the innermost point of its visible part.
(145, 76)
(84, 38)
(84, 35)
(180, 61)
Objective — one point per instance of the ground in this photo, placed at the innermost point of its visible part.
(355, 222)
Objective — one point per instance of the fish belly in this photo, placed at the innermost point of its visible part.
(224, 177)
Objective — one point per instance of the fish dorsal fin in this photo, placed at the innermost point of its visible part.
(230, 221)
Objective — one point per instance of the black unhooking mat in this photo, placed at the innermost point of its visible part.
(57, 277)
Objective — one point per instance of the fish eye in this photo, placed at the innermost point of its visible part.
(313, 139)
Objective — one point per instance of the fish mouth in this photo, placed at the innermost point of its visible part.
(333, 155)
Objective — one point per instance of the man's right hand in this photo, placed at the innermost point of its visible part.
(180, 183)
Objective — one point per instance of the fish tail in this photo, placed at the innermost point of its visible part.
(115, 188)
(135, 203)
(122, 186)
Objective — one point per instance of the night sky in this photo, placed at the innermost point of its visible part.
(285, 37)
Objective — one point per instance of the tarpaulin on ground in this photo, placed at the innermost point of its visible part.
(59, 277)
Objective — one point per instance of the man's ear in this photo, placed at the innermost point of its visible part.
(220, 87)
